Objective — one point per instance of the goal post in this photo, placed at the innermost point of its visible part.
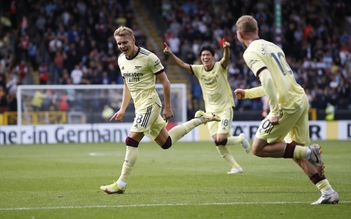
(83, 104)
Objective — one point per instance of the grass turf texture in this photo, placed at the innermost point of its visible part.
(187, 181)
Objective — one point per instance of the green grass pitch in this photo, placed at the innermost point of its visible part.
(187, 181)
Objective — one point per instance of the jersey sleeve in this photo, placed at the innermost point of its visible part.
(155, 64)
(268, 85)
(195, 69)
(255, 62)
(255, 92)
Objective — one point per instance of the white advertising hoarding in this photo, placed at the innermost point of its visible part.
(117, 132)
(81, 133)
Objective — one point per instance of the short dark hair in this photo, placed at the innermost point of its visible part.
(207, 47)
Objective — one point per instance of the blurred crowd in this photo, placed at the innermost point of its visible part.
(64, 42)
(71, 42)
(314, 37)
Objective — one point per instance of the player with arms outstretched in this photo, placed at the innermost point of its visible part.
(218, 98)
(288, 117)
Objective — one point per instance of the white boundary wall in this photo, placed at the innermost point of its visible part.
(117, 132)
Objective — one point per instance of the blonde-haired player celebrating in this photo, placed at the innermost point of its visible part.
(140, 68)
(218, 98)
(288, 116)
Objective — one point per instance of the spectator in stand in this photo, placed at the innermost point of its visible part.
(22, 71)
(12, 81)
(58, 61)
(99, 68)
(63, 104)
(94, 79)
(43, 73)
(3, 66)
(345, 37)
(76, 75)
(330, 112)
(65, 79)
(62, 35)
(121, 19)
(174, 44)
(55, 45)
(107, 113)
(11, 100)
(5, 43)
(233, 70)
(3, 82)
(344, 52)
(37, 101)
(49, 102)
(327, 58)
(3, 101)
(114, 74)
(105, 79)
(318, 50)
(344, 93)
(87, 74)
(72, 33)
(73, 59)
(167, 35)
(175, 27)
(23, 45)
(32, 54)
(40, 23)
(49, 34)
(14, 14)
(24, 23)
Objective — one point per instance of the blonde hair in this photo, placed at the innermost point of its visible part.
(246, 24)
(123, 31)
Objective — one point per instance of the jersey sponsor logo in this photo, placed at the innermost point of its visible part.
(252, 62)
(132, 77)
(209, 81)
(137, 67)
(264, 49)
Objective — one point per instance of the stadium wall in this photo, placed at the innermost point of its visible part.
(117, 132)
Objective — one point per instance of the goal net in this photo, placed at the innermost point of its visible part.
(81, 104)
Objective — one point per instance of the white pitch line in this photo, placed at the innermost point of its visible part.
(154, 205)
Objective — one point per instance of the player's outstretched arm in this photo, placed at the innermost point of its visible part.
(226, 54)
(175, 59)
